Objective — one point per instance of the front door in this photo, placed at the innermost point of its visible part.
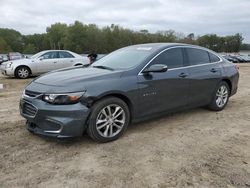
(164, 91)
(48, 62)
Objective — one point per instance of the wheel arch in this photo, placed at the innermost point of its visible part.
(120, 96)
(78, 64)
(19, 66)
(228, 81)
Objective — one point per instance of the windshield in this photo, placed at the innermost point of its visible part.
(36, 55)
(124, 58)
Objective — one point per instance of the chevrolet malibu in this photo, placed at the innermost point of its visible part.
(131, 84)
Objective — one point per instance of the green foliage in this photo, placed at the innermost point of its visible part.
(212, 42)
(39, 41)
(56, 34)
(245, 47)
(29, 49)
(233, 43)
(13, 39)
(85, 38)
(4, 47)
(221, 44)
(76, 37)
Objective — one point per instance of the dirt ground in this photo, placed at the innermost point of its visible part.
(195, 148)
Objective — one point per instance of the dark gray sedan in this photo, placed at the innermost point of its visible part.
(131, 84)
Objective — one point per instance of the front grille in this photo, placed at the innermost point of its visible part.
(32, 93)
(29, 109)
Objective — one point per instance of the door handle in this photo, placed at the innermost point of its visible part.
(213, 70)
(183, 75)
(55, 62)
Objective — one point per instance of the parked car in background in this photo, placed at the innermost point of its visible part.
(42, 62)
(1, 60)
(14, 56)
(239, 58)
(130, 84)
(245, 57)
(230, 58)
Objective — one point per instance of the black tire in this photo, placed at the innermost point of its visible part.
(96, 113)
(22, 72)
(31, 132)
(214, 106)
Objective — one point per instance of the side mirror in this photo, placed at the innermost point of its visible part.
(41, 58)
(155, 68)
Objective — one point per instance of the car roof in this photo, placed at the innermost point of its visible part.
(160, 46)
(55, 50)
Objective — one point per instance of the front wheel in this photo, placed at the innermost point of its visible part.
(109, 119)
(220, 97)
(22, 72)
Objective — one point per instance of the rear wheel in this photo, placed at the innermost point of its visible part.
(220, 97)
(22, 72)
(109, 119)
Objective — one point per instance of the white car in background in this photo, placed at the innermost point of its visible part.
(42, 62)
(14, 55)
(245, 57)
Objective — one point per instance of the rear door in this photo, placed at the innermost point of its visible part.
(204, 73)
(65, 59)
(166, 90)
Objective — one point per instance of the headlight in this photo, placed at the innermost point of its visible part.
(66, 98)
(8, 65)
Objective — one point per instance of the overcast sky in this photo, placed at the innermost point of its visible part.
(222, 17)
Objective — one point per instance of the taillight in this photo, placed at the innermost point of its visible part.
(237, 67)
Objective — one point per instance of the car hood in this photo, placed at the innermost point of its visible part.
(18, 61)
(71, 79)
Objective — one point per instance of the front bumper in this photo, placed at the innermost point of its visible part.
(7, 71)
(60, 121)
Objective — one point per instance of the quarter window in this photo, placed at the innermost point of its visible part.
(213, 58)
(173, 58)
(197, 56)
(65, 55)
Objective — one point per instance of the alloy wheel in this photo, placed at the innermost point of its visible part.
(23, 72)
(221, 96)
(110, 120)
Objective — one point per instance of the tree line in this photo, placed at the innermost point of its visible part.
(86, 38)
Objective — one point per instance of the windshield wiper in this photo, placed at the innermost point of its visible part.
(103, 67)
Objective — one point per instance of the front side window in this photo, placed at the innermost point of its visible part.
(65, 55)
(37, 55)
(50, 55)
(197, 56)
(173, 58)
(213, 58)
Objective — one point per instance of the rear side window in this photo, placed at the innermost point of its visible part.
(213, 58)
(197, 56)
(65, 55)
(173, 58)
